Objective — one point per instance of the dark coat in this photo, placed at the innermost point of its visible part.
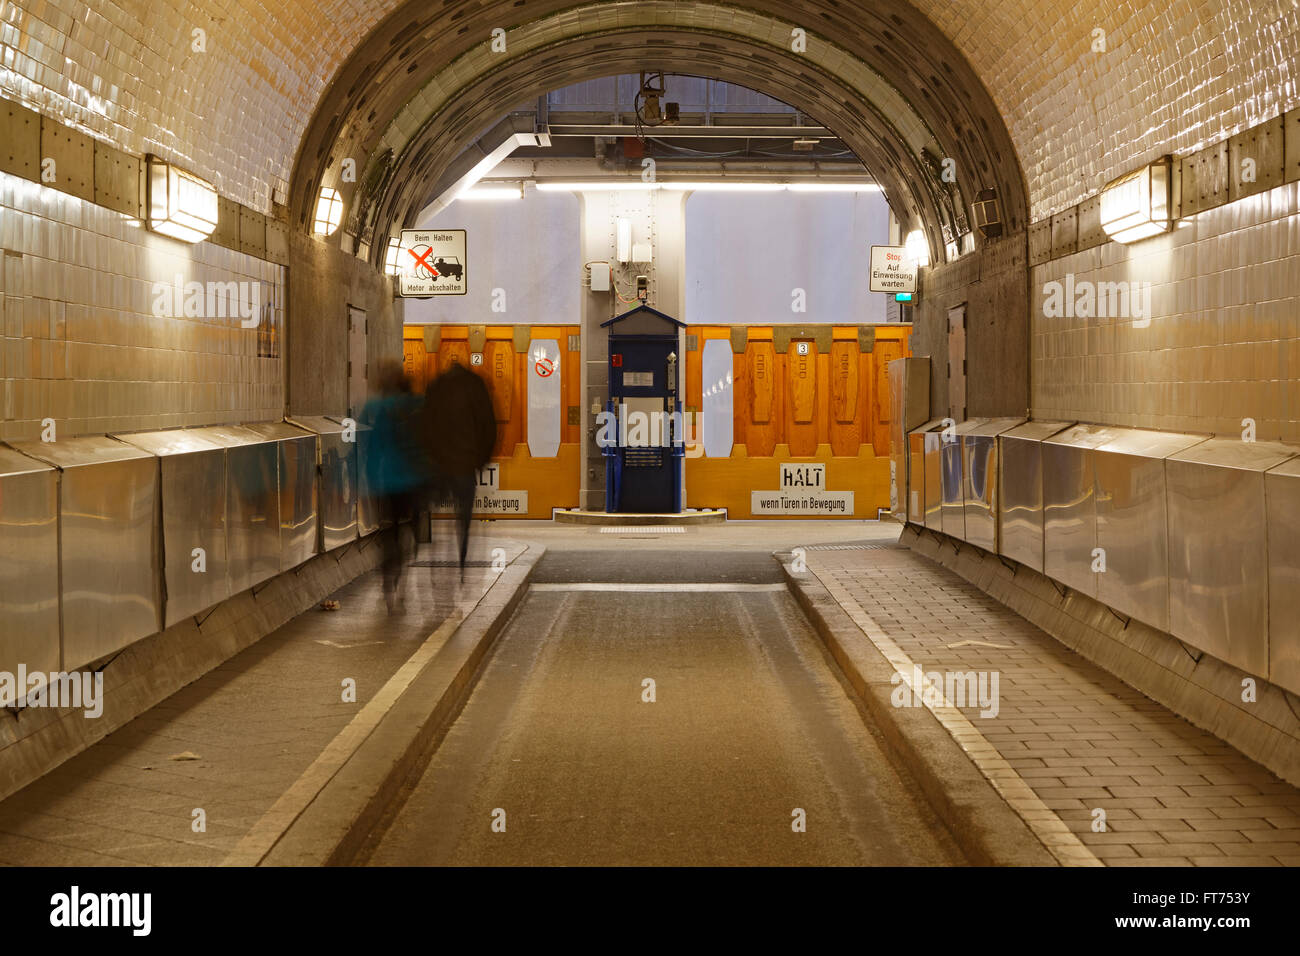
(460, 422)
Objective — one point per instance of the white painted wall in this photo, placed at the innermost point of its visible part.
(747, 252)
(527, 247)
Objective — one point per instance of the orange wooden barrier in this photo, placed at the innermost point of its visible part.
(796, 403)
(801, 403)
(549, 482)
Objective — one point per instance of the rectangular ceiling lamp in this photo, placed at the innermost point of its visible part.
(178, 203)
(494, 191)
(1136, 205)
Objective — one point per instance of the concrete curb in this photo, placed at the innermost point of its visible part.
(986, 828)
(338, 819)
(574, 516)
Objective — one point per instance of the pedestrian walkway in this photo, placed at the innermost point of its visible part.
(1068, 739)
(184, 782)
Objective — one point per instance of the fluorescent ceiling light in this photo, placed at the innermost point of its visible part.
(1136, 205)
(613, 185)
(621, 185)
(724, 186)
(834, 187)
(492, 192)
(179, 204)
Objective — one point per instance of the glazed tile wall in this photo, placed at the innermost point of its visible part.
(1176, 74)
(80, 341)
(126, 71)
(1223, 342)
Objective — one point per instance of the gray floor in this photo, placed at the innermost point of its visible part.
(749, 723)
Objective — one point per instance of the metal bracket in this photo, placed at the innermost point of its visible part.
(477, 337)
(432, 338)
(739, 339)
(782, 335)
(522, 336)
(866, 338)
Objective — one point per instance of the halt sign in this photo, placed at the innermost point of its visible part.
(892, 270)
(432, 262)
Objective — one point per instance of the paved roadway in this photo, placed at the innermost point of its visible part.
(749, 723)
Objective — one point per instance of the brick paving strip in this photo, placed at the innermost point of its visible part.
(256, 726)
(1068, 737)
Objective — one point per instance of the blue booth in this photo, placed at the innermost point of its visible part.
(645, 443)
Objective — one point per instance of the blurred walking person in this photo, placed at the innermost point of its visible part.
(461, 428)
(394, 463)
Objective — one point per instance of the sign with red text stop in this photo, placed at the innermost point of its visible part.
(892, 269)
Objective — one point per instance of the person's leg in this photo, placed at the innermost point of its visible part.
(406, 504)
(464, 515)
(392, 549)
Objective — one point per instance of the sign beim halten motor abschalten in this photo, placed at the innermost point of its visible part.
(432, 262)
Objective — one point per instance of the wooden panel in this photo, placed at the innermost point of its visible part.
(499, 373)
(885, 352)
(801, 419)
(762, 381)
(761, 437)
(802, 376)
(570, 430)
(414, 364)
(844, 381)
(452, 351)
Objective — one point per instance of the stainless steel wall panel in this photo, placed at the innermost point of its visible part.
(109, 567)
(296, 452)
(1070, 506)
(1132, 521)
(909, 389)
(1020, 491)
(979, 455)
(1219, 548)
(952, 479)
(29, 565)
(252, 504)
(916, 446)
(338, 481)
(192, 472)
(367, 503)
(932, 498)
(1282, 501)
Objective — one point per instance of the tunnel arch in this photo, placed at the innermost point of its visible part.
(900, 123)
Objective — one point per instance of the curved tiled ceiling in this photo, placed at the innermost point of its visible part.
(834, 89)
(1175, 74)
(411, 89)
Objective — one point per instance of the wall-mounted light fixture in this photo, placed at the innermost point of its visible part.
(178, 203)
(987, 216)
(329, 211)
(390, 257)
(918, 250)
(1137, 204)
